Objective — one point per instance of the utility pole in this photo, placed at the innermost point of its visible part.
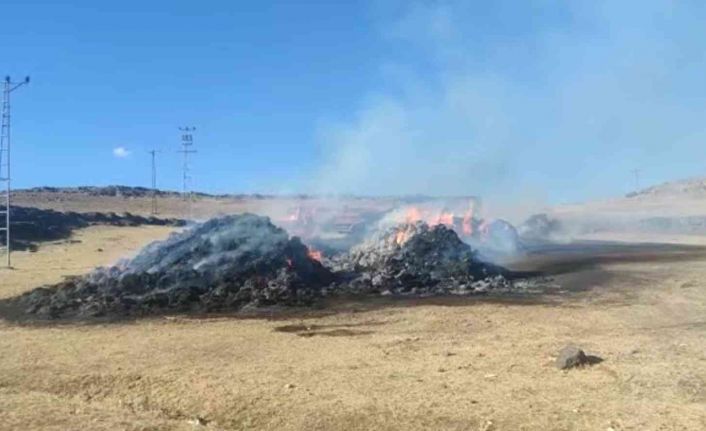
(187, 141)
(8, 87)
(154, 181)
(636, 172)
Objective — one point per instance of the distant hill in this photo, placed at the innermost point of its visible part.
(142, 192)
(126, 191)
(692, 187)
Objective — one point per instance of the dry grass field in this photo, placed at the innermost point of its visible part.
(168, 206)
(174, 206)
(451, 364)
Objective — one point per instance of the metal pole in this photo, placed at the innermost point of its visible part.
(6, 147)
(187, 141)
(154, 182)
(8, 88)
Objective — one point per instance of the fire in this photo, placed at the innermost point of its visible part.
(300, 221)
(315, 254)
(431, 217)
(467, 224)
(462, 222)
(413, 215)
(403, 234)
(445, 218)
(300, 214)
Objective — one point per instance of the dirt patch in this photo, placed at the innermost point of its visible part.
(334, 333)
(303, 330)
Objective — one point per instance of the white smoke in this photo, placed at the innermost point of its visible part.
(603, 87)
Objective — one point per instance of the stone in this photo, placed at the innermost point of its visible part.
(571, 356)
(198, 421)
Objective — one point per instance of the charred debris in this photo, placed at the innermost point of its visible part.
(242, 261)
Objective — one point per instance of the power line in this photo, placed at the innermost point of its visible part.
(8, 87)
(154, 181)
(187, 141)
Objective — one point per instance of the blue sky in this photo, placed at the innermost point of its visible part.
(546, 100)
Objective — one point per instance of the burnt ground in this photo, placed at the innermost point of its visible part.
(243, 261)
(478, 363)
(32, 226)
(556, 272)
(579, 265)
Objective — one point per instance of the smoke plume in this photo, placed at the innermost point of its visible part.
(524, 101)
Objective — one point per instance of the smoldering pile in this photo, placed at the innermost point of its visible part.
(224, 263)
(239, 261)
(418, 259)
(492, 238)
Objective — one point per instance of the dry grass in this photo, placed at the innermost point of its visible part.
(87, 248)
(436, 364)
(201, 208)
(167, 206)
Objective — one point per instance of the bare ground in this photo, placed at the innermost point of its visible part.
(456, 364)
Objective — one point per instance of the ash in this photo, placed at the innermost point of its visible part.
(418, 259)
(224, 263)
(239, 261)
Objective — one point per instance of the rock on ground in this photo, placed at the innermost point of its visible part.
(570, 357)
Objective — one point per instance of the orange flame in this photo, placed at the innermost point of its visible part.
(431, 217)
(445, 218)
(403, 234)
(462, 223)
(315, 254)
(413, 215)
(467, 224)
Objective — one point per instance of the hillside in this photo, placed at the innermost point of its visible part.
(138, 200)
(128, 192)
(694, 187)
(674, 211)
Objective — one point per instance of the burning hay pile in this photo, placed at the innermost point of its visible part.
(224, 263)
(239, 261)
(491, 237)
(418, 259)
